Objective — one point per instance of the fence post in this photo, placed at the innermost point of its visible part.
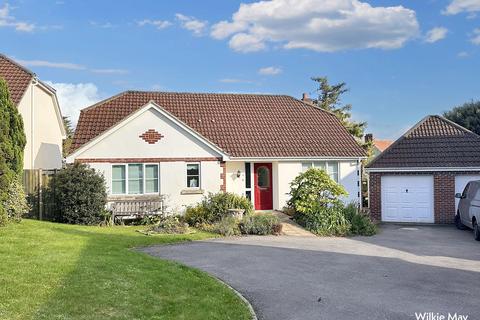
(40, 195)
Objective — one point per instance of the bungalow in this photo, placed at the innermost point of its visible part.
(184, 145)
(42, 119)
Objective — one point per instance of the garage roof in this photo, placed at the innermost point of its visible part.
(431, 143)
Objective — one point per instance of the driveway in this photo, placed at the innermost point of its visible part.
(393, 275)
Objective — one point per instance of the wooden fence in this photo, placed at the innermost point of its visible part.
(36, 182)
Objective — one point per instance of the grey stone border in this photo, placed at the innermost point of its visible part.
(249, 305)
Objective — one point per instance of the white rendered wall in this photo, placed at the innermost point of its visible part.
(283, 173)
(173, 182)
(44, 147)
(126, 143)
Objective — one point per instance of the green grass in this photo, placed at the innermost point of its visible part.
(56, 271)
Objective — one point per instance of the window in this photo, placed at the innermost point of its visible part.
(193, 175)
(263, 177)
(118, 180)
(135, 178)
(151, 178)
(330, 167)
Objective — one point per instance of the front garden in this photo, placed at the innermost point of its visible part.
(58, 271)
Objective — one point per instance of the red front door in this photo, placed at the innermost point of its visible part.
(263, 186)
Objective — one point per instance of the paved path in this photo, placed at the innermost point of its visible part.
(290, 228)
(401, 271)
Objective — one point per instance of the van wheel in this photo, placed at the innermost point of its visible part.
(458, 222)
(476, 230)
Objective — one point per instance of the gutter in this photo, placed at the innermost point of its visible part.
(423, 169)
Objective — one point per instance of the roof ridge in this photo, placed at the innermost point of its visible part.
(401, 138)
(455, 124)
(99, 103)
(210, 93)
(33, 74)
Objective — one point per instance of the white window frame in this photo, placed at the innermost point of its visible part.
(199, 175)
(143, 179)
(325, 162)
(111, 178)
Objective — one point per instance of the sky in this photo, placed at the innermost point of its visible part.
(401, 60)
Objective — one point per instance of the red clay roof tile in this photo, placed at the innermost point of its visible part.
(17, 77)
(433, 142)
(242, 125)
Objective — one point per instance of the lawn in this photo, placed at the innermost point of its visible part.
(56, 271)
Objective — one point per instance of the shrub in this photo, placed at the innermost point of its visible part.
(215, 206)
(170, 225)
(325, 220)
(16, 204)
(260, 224)
(80, 195)
(227, 226)
(360, 222)
(313, 189)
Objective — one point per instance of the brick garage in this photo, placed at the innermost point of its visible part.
(433, 160)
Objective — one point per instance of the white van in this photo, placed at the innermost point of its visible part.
(468, 213)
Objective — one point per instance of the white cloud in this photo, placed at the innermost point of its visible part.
(190, 23)
(103, 25)
(270, 71)
(49, 64)
(463, 54)
(73, 97)
(68, 66)
(475, 36)
(159, 24)
(436, 34)
(320, 25)
(459, 6)
(109, 71)
(7, 20)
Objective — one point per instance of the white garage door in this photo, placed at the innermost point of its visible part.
(407, 198)
(460, 183)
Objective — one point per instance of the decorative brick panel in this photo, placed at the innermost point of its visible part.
(443, 193)
(151, 136)
(223, 176)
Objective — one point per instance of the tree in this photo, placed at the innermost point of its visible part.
(12, 145)
(466, 115)
(329, 98)
(67, 142)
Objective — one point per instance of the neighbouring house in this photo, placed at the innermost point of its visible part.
(42, 118)
(184, 145)
(378, 145)
(416, 178)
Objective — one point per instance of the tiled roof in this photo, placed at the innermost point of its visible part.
(16, 76)
(433, 142)
(382, 144)
(242, 125)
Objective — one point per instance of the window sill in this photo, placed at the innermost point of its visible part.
(192, 191)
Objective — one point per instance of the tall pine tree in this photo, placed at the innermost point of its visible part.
(329, 98)
(12, 145)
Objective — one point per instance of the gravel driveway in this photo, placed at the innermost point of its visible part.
(393, 275)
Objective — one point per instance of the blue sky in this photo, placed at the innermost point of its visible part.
(401, 60)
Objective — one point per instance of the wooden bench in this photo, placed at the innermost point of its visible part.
(136, 209)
